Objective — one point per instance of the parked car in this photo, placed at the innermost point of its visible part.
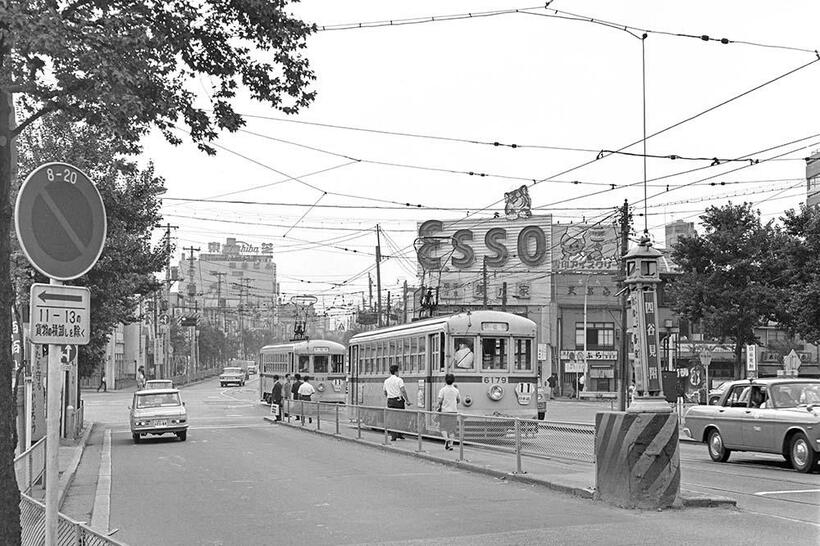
(232, 376)
(778, 415)
(156, 412)
(717, 392)
(252, 369)
(159, 384)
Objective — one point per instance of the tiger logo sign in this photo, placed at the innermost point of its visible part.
(517, 204)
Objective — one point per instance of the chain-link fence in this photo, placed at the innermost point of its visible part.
(522, 437)
(69, 532)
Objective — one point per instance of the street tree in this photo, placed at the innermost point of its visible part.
(125, 272)
(799, 282)
(726, 275)
(123, 67)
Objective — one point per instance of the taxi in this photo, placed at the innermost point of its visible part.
(157, 412)
(775, 415)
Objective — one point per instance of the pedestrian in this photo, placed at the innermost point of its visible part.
(448, 401)
(552, 381)
(276, 396)
(632, 393)
(396, 395)
(581, 381)
(294, 388)
(140, 378)
(306, 392)
(102, 384)
(286, 393)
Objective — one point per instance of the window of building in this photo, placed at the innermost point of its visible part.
(599, 335)
(493, 353)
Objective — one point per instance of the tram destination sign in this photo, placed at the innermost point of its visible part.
(60, 314)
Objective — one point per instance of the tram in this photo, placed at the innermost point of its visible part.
(491, 354)
(322, 360)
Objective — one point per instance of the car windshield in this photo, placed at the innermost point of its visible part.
(157, 400)
(792, 395)
(232, 370)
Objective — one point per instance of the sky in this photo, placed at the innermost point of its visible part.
(405, 111)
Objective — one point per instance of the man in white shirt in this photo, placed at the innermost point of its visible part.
(396, 395)
(306, 391)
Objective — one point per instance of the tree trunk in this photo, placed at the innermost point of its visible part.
(9, 493)
(738, 354)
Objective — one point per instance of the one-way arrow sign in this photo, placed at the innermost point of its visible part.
(45, 296)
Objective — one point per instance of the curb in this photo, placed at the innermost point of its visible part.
(582, 492)
(68, 474)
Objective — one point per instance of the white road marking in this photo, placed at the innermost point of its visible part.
(785, 492)
(783, 517)
(101, 512)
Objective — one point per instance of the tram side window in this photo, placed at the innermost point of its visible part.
(523, 354)
(464, 355)
(337, 363)
(493, 353)
(409, 363)
(434, 351)
(304, 363)
(320, 364)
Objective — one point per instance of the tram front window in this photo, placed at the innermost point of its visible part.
(320, 364)
(304, 363)
(337, 363)
(493, 353)
(463, 356)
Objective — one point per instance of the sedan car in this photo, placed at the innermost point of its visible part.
(717, 392)
(159, 384)
(777, 415)
(232, 375)
(156, 412)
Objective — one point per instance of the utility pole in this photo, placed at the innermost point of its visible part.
(622, 382)
(369, 292)
(404, 301)
(165, 368)
(219, 307)
(378, 277)
(484, 275)
(193, 363)
(388, 308)
(504, 296)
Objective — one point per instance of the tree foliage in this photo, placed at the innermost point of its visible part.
(121, 67)
(799, 282)
(727, 274)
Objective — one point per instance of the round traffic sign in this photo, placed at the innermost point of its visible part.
(60, 221)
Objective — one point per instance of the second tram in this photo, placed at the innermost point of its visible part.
(491, 354)
(323, 361)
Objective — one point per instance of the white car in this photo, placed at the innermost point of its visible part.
(232, 376)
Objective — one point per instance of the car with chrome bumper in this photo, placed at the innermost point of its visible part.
(232, 376)
(157, 412)
(774, 415)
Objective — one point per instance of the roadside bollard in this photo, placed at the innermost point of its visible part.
(460, 437)
(318, 415)
(418, 429)
(358, 423)
(518, 446)
(386, 439)
(302, 412)
(337, 418)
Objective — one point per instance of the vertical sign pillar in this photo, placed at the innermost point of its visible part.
(642, 279)
(53, 388)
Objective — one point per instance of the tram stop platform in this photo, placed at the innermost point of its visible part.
(574, 477)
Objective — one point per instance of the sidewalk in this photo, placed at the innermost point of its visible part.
(567, 476)
(71, 451)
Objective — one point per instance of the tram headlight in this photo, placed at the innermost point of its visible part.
(320, 387)
(495, 392)
(468, 401)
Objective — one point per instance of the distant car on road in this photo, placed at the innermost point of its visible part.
(159, 384)
(252, 369)
(156, 412)
(232, 376)
(779, 415)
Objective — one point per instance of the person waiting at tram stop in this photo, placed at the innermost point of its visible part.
(294, 388)
(396, 395)
(276, 396)
(306, 392)
(448, 400)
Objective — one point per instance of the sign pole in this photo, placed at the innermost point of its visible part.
(53, 388)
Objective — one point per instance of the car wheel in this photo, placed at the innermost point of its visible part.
(801, 454)
(136, 438)
(717, 451)
(182, 435)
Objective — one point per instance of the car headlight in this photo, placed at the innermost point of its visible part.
(495, 392)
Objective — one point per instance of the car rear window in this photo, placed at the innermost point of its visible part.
(157, 400)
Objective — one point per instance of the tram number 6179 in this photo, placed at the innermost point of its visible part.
(494, 379)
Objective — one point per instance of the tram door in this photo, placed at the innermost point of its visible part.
(353, 375)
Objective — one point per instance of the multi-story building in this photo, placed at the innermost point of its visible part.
(676, 230)
(813, 179)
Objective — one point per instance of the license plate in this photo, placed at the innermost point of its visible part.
(161, 422)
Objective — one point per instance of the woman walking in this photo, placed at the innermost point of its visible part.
(448, 401)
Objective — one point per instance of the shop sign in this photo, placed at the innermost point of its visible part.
(590, 355)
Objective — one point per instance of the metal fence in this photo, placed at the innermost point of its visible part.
(524, 438)
(30, 465)
(69, 532)
(29, 468)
